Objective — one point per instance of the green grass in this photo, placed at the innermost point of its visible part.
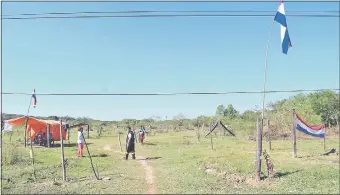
(181, 168)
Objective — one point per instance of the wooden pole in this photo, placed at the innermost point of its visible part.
(258, 150)
(198, 133)
(88, 151)
(25, 139)
(211, 140)
(324, 140)
(26, 125)
(48, 136)
(293, 132)
(62, 150)
(120, 143)
(265, 75)
(269, 135)
(88, 131)
(32, 155)
(68, 136)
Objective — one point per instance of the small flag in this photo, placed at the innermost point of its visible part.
(34, 99)
(280, 17)
(315, 131)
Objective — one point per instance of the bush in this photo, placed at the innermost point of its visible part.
(11, 155)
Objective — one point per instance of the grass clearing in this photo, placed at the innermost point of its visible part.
(180, 165)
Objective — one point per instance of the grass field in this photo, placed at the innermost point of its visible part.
(178, 163)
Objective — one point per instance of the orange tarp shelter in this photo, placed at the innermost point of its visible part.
(36, 126)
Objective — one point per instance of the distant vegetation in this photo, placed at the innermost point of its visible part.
(314, 108)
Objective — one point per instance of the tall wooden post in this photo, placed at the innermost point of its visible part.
(211, 139)
(258, 150)
(324, 141)
(25, 138)
(88, 131)
(211, 142)
(62, 150)
(68, 136)
(198, 133)
(269, 134)
(120, 143)
(293, 132)
(48, 135)
(32, 154)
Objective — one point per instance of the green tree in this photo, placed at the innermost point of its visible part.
(220, 110)
(326, 104)
(230, 112)
(179, 119)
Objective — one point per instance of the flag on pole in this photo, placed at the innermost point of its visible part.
(280, 17)
(315, 131)
(34, 99)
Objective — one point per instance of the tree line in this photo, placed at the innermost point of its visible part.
(314, 108)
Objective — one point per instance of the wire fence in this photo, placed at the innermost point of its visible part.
(171, 15)
(172, 94)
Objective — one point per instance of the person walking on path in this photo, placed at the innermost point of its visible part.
(130, 144)
(80, 142)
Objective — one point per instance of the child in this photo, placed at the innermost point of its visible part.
(80, 142)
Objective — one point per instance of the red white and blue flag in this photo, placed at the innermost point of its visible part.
(34, 99)
(280, 17)
(315, 131)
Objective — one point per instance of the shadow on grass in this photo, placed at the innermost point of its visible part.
(279, 174)
(100, 155)
(149, 144)
(74, 180)
(66, 145)
(149, 158)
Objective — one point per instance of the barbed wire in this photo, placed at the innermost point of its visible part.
(168, 11)
(171, 15)
(171, 94)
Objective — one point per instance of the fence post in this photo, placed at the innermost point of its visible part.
(48, 136)
(120, 143)
(62, 150)
(269, 134)
(68, 136)
(88, 131)
(293, 132)
(258, 150)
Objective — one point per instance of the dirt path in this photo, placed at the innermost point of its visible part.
(149, 176)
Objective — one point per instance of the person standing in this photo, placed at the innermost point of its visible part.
(130, 144)
(141, 133)
(80, 142)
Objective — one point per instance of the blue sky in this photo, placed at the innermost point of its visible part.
(150, 55)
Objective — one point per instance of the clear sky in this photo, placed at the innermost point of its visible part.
(150, 55)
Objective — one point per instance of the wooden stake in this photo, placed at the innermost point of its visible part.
(258, 150)
(25, 139)
(88, 131)
(269, 136)
(324, 140)
(293, 132)
(62, 150)
(198, 134)
(211, 140)
(48, 136)
(68, 136)
(32, 155)
(120, 143)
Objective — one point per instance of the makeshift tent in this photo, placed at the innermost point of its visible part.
(39, 126)
(218, 122)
